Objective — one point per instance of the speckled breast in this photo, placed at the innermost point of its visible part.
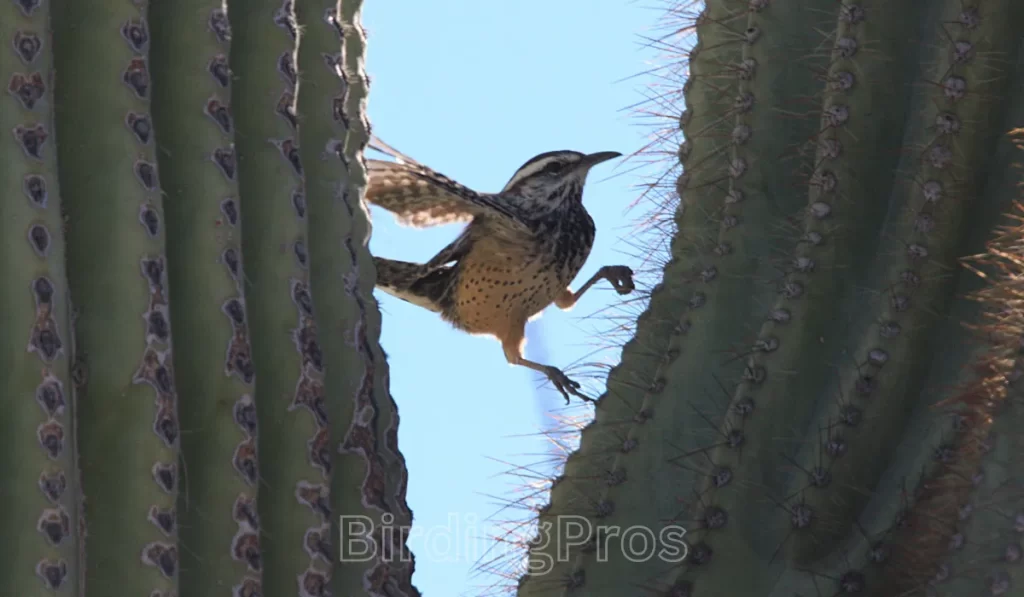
(503, 283)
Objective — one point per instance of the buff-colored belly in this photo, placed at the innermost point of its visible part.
(497, 292)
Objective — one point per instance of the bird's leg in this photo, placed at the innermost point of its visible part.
(620, 276)
(512, 344)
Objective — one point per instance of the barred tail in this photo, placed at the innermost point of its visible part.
(414, 283)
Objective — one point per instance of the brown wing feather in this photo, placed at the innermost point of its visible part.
(421, 197)
(413, 198)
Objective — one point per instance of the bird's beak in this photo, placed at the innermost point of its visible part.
(589, 161)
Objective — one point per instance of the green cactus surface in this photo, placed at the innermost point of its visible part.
(193, 389)
(821, 397)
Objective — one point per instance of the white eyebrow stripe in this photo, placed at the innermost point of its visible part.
(531, 169)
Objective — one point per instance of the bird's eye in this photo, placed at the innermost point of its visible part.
(552, 168)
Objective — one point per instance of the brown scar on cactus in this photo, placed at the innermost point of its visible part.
(313, 583)
(359, 439)
(310, 394)
(238, 361)
(51, 438)
(307, 346)
(245, 547)
(141, 126)
(55, 525)
(27, 89)
(320, 451)
(249, 587)
(245, 514)
(155, 371)
(244, 461)
(136, 77)
(286, 109)
(220, 114)
(315, 496)
(317, 543)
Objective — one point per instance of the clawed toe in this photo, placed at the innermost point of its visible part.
(621, 278)
(565, 385)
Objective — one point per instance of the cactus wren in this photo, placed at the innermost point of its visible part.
(521, 249)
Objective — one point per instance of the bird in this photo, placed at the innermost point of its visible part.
(521, 248)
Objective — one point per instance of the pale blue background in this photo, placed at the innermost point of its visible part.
(473, 88)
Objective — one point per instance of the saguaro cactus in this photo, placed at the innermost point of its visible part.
(193, 387)
(780, 400)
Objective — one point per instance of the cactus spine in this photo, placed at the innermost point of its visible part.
(196, 169)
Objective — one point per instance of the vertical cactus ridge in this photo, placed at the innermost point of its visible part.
(971, 527)
(38, 499)
(362, 282)
(947, 143)
(116, 264)
(294, 472)
(366, 489)
(778, 400)
(217, 513)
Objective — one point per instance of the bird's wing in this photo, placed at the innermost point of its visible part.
(421, 197)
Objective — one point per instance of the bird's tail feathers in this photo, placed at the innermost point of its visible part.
(378, 145)
(414, 283)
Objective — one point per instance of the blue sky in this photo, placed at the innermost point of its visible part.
(473, 88)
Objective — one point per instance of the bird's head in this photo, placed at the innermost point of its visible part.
(555, 175)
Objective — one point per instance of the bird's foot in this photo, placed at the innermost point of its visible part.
(565, 385)
(620, 276)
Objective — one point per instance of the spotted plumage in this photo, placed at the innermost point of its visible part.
(522, 248)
